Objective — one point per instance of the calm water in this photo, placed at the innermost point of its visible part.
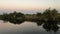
(23, 28)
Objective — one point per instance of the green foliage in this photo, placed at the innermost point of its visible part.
(47, 15)
(49, 18)
(13, 17)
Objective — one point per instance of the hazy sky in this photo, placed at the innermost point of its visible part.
(29, 4)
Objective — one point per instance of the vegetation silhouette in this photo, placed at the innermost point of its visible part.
(49, 26)
(15, 17)
(49, 18)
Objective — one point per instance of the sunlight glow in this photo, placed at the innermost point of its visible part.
(28, 4)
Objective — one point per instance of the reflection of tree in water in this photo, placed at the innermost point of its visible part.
(17, 22)
(49, 26)
(48, 18)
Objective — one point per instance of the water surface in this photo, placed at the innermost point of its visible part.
(23, 28)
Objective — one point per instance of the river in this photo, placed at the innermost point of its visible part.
(23, 28)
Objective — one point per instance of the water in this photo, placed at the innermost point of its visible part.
(23, 28)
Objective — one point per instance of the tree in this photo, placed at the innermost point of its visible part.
(38, 14)
(54, 14)
(47, 14)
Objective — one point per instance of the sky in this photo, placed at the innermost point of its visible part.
(28, 4)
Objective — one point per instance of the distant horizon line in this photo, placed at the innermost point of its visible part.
(30, 9)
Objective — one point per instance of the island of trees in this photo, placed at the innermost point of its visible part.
(49, 17)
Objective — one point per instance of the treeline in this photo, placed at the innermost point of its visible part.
(47, 15)
(13, 17)
(49, 18)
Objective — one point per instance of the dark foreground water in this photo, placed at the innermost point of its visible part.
(24, 28)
